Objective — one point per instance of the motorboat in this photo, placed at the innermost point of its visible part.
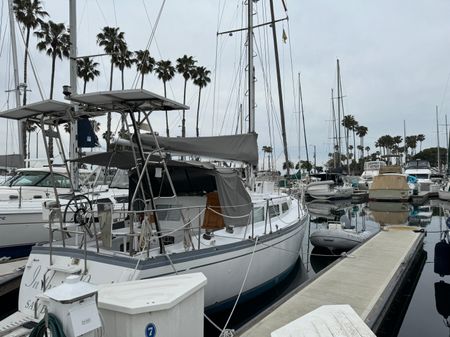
(391, 185)
(326, 190)
(328, 209)
(421, 170)
(371, 170)
(23, 220)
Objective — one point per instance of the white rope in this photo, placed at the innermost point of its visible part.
(222, 334)
(230, 216)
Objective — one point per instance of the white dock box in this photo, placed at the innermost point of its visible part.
(165, 306)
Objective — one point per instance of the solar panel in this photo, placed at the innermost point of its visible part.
(47, 107)
(131, 99)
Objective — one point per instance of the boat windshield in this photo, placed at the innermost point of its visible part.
(418, 164)
(421, 176)
(38, 178)
(120, 179)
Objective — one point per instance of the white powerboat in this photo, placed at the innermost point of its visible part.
(421, 170)
(22, 221)
(325, 190)
(371, 170)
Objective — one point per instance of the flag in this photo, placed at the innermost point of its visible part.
(284, 36)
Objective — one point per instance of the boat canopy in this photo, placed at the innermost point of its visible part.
(46, 107)
(130, 100)
(196, 178)
(241, 147)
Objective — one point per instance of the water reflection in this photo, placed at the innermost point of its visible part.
(389, 213)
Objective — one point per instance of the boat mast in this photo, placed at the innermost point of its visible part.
(437, 133)
(339, 112)
(446, 139)
(302, 111)
(280, 91)
(334, 128)
(405, 148)
(73, 147)
(299, 124)
(251, 70)
(12, 31)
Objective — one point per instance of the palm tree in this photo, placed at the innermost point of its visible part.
(165, 72)
(361, 132)
(420, 139)
(185, 66)
(112, 40)
(201, 79)
(29, 128)
(267, 150)
(86, 70)
(29, 13)
(55, 41)
(144, 63)
(123, 59)
(349, 123)
(367, 148)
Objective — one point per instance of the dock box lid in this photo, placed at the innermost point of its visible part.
(161, 293)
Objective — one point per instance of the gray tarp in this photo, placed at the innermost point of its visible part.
(234, 199)
(234, 147)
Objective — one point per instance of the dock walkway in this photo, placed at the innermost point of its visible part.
(366, 280)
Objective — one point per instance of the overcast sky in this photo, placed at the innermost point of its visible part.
(394, 56)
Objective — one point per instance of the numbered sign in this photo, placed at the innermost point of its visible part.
(150, 330)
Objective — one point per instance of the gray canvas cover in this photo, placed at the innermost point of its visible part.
(234, 199)
(242, 147)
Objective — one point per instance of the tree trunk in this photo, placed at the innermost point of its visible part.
(53, 75)
(198, 111)
(123, 83)
(183, 121)
(84, 87)
(142, 81)
(111, 76)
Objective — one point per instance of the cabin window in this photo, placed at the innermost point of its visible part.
(29, 178)
(274, 210)
(284, 207)
(168, 215)
(258, 214)
(59, 181)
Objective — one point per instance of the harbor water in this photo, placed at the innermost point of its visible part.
(422, 306)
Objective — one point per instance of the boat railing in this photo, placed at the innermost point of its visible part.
(180, 224)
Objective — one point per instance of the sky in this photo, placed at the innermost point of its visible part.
(393, 55)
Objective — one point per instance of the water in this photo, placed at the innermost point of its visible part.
(422, 304)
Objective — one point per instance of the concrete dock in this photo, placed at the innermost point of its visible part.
(367, 280)
(10, 275)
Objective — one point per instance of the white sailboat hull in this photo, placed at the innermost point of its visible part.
(224, 266)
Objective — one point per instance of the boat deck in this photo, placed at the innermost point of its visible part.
(367, 280)
(10, 274)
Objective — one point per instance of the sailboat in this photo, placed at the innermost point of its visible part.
(183, 217)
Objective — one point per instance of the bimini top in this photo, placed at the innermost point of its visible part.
(126, 100)
(47, 107)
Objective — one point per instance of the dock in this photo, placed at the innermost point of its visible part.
(10, 275)
(367, 279)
